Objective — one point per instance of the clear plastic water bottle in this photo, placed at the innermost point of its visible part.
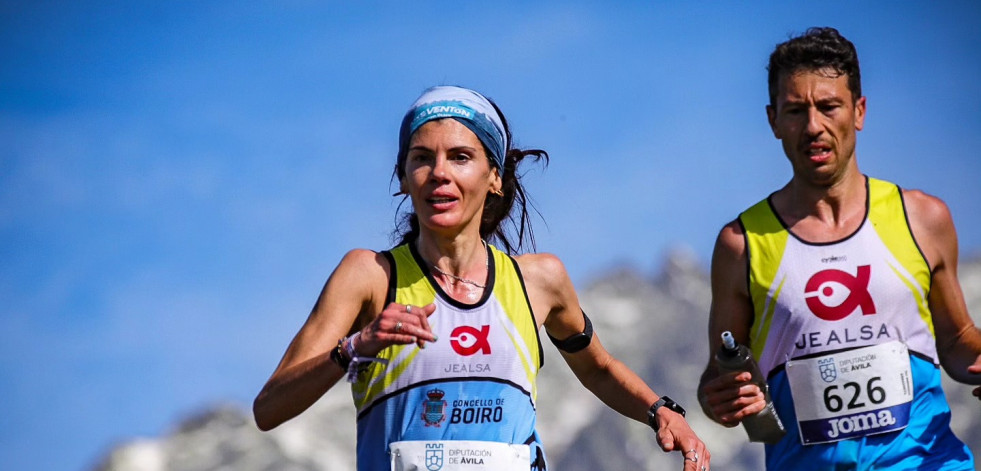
(765, 426)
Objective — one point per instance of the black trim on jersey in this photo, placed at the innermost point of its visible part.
(783, 366)
(393, 278)
(777, 369)
(534, 322)
(488, 289)
(492, 276)
(749, 272)
(925, 358)
(388, 396)
(537, 464)
(868, 199)
(909, 227)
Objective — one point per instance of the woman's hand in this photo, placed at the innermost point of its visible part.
(674, 434)
(396, 325)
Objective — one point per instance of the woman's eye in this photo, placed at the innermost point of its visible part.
(418, 157)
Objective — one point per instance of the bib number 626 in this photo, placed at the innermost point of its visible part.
(834, 402)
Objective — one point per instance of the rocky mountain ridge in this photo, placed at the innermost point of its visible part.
(655, 326)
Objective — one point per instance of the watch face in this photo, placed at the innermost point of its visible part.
(670, 404)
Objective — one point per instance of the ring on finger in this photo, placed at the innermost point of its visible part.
(398, 327)
(408, 309)
(704, 468)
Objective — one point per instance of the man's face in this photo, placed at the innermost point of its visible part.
(816, 119)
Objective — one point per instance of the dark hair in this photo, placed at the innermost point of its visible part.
(497, 209)
(816, 49)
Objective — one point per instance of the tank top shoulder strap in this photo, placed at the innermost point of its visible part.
(510, 290)
(392, 277)
(890, 220)
(766, 238)
(408, 283)
(765, 235)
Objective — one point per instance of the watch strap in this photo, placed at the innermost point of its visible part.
(664, 401)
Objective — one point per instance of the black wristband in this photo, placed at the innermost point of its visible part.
(664, 401)
(577, 341)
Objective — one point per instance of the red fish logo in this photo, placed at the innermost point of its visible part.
(833, 295)
(467, 340)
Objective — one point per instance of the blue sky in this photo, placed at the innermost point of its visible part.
(178, 179)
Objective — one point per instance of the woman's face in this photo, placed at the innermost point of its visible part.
(448, 176)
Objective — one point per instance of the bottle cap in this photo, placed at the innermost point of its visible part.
(729, 343)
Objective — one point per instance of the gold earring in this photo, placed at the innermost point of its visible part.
(498, 192)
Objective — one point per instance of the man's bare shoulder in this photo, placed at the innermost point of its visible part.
(731, 241)
(926, 209)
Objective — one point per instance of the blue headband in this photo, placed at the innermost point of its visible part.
(468, 107)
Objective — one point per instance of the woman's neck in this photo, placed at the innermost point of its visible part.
(461, 255)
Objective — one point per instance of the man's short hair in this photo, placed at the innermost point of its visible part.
(816, 49)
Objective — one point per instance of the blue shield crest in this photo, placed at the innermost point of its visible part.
(827, 369)
(434, 460)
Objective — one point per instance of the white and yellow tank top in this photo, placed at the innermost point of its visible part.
(844, 333)
(476, 382)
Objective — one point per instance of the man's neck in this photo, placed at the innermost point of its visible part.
(823, 213)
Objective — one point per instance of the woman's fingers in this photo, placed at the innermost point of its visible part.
(400, 324)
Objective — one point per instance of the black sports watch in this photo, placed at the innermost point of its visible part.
(664, 401)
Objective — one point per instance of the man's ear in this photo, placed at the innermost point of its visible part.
(860, 113)
(771, 117)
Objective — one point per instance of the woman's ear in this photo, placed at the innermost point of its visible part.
(496, 184)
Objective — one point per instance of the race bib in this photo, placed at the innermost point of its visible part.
(852, 394)
(458, 455)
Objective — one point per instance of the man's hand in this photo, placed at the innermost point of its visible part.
(976, 369)
(731, 397)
